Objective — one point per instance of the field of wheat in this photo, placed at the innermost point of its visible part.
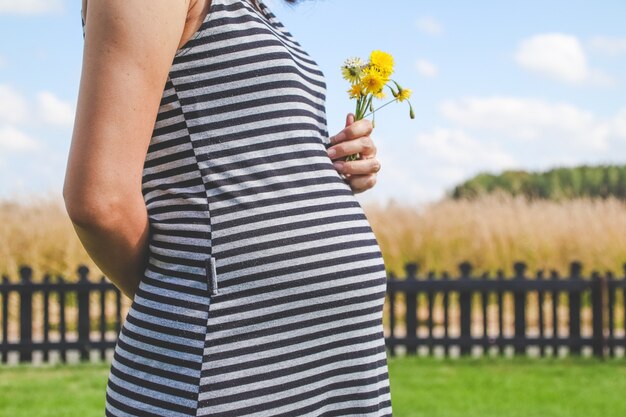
(491, 232)
(495, 231)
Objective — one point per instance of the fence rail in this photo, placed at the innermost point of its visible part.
(547, 313)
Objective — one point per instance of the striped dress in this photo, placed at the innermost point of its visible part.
(265, 286)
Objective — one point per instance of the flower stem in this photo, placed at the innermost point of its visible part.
(386, 104)
(369, 103)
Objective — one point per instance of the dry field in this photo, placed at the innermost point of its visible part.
(495, 231)
(492, 233)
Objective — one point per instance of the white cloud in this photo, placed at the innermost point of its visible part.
(491, 135)
(399, 178)
(48, 109)
(559, 56)
(618, 124)
(12, 139)
(13, 106)
(530, 119)
(456, 151)
(600, 78)
(444, 157)
(30, 6)
(426, 68)
(608, 45)
(54, 111)
(429, 25)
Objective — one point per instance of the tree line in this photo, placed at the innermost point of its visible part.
(555, 184)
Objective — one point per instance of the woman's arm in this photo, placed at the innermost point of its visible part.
(128, 51)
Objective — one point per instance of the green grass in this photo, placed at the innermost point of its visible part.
(75, 390)
(508, 387)
(420, 387)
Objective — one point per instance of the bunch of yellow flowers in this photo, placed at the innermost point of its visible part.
(368, 80)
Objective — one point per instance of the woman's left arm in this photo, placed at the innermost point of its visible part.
(355, 138)
(128, 52)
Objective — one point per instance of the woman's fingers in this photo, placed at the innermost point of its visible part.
(363, 145)
(355, 138)
(349, 119)
(357, 129)
(361, 183)
(358, 167)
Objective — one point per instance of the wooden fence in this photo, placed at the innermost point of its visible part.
(431, 314)
(74, 319)
(562, 308)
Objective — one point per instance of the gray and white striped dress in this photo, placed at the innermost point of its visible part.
(265, 285)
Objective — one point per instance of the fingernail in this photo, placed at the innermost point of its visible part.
(338, 165)
(332, 152)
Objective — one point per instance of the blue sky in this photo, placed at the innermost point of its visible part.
(497, 85)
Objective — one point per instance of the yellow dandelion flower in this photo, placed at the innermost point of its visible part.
(356, 91)
(373, 81)
(380, 94)
(383, 61)
(404, 94)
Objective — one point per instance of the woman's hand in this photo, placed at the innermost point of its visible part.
(355, 138)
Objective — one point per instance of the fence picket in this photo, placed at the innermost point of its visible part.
(26, 310)
(4, 350)
(465, 303)
(574, 312)
(411, 308)
(597, 302)
(519, 300)
(541, 296)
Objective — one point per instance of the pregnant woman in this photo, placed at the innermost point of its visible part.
(201, 181)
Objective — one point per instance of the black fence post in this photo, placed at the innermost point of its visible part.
(4, 347)
(574, 311)
(62, 291)
(519, 296)
(500, 298)
(445, 277)
(610, 302)
(46, 317)
(26, 314)
(82, 294)
(465, 306)
(554, 277)
(542, 322)
(597, 303)
(431, 301)
(411, 308)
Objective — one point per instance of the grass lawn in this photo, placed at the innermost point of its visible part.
(75, 390)
(508, 387)
(420, 387)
